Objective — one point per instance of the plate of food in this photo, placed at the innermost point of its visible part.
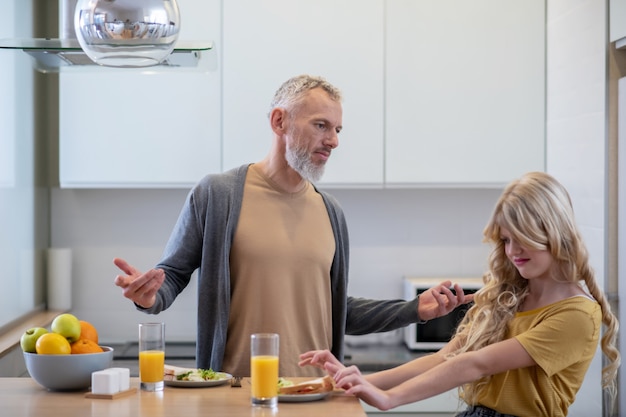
(194, 378)
(312, 390)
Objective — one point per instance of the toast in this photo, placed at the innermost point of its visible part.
(313, 386)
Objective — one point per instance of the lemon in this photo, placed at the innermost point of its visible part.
(53, 344)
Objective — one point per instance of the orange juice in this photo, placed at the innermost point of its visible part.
(264, 375)
(151, 365)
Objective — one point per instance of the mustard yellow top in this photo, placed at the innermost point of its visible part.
(562, 338)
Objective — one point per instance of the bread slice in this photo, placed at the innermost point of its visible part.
(313, 386)
(171, 371)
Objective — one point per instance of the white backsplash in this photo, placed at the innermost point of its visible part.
(426, 232)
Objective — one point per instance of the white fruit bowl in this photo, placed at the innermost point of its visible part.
(67, 372)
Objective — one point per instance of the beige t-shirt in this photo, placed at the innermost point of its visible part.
(280, 264)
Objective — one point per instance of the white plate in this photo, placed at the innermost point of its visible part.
(300, 398)
(224, 378)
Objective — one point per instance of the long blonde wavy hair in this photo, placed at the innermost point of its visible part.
(537, 211)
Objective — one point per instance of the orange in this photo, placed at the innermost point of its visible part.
(85, 346)
(52, 344)
(88, 331)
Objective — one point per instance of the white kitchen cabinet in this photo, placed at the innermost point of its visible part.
(265, 42)
(617, 21)
(437, 92)
(150, 127)
(465, 91)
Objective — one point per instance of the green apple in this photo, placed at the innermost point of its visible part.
(29, 338)
(67, 325)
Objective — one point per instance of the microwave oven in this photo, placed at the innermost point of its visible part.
(434, 334)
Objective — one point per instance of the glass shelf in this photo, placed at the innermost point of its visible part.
(51, 54)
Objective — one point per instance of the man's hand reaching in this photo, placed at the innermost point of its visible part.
(440, 300)
(139, 287)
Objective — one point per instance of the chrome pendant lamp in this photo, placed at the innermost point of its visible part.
(127, 33)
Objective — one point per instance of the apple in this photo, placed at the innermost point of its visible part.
(28, 340)
(67, 325)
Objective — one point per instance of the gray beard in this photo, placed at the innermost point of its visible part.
(298, 159)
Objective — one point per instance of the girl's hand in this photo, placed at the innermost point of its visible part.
(319, 358)
(354, 383)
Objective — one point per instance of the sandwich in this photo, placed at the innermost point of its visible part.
(170, 372)
(313, 386)
(175, 373)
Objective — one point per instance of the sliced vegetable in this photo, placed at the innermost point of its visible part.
(282, 382)
(200, 375)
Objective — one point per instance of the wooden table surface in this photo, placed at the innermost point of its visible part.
(24, 397)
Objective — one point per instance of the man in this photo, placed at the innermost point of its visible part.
(273, 251)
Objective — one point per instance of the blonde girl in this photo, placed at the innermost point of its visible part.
(524, 347)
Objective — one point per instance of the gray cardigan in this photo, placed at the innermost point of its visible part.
(202, 238)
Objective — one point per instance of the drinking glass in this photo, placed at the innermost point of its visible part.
(151, 355)
(264, 369)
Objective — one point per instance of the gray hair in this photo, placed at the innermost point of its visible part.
(292, 91)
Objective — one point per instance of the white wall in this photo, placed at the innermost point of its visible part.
(576, 133)
(19, 257)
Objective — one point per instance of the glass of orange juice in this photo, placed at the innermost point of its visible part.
(264, 369)
(151, 356)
